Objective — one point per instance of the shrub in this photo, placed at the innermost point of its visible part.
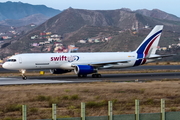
(72, 107)
(92, 104)
(33, 110)
(12, 108)
(85, 90)
(64, 117)
(173, 109)
(53, 101)
(149, 101)
(67, 90)
(65, 97)
(9, 118)
(43, 98)
(74, 97)
(97, 97)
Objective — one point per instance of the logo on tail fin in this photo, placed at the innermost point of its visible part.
(146, 47)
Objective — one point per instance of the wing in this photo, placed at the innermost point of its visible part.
(100, 64)
(108, 62)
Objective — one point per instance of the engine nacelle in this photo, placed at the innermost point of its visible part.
(59, 71)
(84, 69)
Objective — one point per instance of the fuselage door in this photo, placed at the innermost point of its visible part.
(20, 60)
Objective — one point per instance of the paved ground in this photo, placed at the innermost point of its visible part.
(140, 77)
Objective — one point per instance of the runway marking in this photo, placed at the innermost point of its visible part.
(5, 78)
(16, 81)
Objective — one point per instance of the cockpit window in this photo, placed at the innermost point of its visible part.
(11, 60)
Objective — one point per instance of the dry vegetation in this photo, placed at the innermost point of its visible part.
(39, 98)
(68, 97)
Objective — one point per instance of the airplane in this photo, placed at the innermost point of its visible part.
(88, 63)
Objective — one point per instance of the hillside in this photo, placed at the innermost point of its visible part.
(20, 14)
(19, 10)
(32, 19)
(111, 28)
(155, 13)
(72, 20)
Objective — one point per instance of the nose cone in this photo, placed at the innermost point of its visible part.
(5, 66)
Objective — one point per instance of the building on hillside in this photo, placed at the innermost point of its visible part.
(90, 40)
(6, 37)
(82, 41)
(72, 48)
(34, 44)
(41, 43)
(61, 49)
(34, 37)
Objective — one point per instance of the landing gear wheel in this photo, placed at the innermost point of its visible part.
(24, 77)
(82, 75)
(96, 75)
(99, 75)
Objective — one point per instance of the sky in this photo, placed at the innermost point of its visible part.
(169, 6)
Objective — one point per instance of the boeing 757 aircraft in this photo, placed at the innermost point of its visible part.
(88, 63)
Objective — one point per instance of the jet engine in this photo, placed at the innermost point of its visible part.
(59, 71)
(84, 69)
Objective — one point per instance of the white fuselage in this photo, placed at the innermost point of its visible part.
(67, 60)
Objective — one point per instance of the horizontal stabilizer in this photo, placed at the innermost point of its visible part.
(160, 56)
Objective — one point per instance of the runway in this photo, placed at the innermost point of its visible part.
(130, 77)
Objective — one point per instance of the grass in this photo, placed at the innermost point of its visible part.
(39, 98)
(68, 97)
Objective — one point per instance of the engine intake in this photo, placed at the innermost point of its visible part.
(84, 69)
(59, 71)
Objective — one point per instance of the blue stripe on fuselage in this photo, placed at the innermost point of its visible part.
(138, 62)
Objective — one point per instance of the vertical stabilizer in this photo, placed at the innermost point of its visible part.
(149, 46)
(150, 43)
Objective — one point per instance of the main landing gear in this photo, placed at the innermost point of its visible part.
(23, 74)
(82, 75)
(93, 75)
(96, 75)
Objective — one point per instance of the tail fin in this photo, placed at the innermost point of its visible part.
(150, 43)
(149, 46)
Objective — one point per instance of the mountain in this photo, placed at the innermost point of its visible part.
(20, 14)
(73, 19)
(155, 13)
(123, 26)
(19, 10)
(32, 19)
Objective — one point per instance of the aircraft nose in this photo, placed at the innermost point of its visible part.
(5, 65)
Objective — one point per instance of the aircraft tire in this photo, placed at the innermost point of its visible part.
(82, 75)
(96, 75)
(99, 75)
(24, 77)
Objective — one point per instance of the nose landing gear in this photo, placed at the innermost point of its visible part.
(24, 77)
(23, 74)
